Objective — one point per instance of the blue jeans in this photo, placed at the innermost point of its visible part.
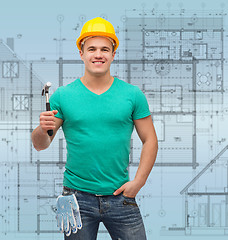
(119, 214)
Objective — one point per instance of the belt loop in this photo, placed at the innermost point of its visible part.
(68, 191)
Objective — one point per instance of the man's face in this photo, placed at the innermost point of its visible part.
(97, 55)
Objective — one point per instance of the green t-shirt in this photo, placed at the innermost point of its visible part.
(98, 132)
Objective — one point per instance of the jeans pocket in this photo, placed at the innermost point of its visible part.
(132, 198)
(129, 201)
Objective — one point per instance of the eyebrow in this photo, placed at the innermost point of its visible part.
(104, 47)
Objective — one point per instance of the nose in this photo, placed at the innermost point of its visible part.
(98, 53)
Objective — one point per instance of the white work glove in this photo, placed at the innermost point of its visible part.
(68, 215)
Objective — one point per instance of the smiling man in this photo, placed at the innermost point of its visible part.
(98, 113)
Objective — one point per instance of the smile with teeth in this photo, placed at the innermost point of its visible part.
(98, 62)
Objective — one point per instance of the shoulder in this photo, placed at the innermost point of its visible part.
(69, 87)
(126, 86)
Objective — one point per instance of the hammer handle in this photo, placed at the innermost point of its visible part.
(50, 132)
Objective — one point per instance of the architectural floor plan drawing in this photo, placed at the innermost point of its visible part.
(179, 61)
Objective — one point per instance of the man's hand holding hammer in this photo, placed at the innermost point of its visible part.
(48, 121)
(49, 124)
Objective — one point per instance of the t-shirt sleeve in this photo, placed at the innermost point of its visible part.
(55, 103)
(141, 108)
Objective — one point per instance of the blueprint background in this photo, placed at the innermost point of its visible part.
(34, 25)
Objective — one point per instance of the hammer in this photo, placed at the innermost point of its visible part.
(45, 91)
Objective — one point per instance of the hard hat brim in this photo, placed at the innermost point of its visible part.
(94, 34)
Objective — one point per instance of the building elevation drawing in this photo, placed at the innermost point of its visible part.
(178, 60)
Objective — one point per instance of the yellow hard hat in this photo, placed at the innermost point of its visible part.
(98, 27)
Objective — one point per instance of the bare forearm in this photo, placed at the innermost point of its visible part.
(40, 139)
(147, 160)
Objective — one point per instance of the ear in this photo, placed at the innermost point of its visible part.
(81, 54)
(113, 55)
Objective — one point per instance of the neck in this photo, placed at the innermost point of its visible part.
(96, 82)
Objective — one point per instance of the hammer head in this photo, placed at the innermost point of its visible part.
(46, 88)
